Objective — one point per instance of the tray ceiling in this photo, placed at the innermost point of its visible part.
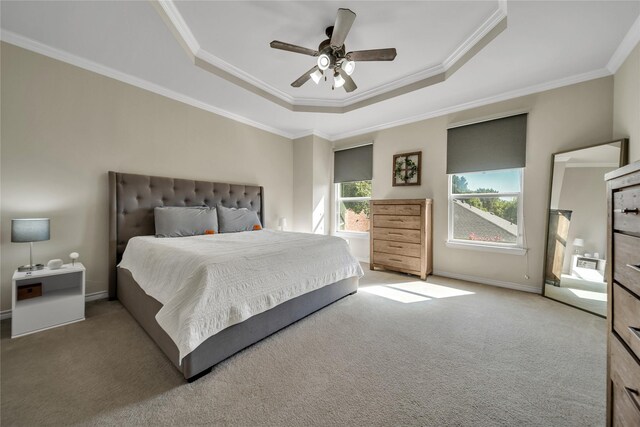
(545, 45)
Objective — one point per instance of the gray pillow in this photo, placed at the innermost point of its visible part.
(180, 221)
(233, 220)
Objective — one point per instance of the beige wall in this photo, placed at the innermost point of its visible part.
(63, 128)
(626, 103)
(562, 119)
(312, 169)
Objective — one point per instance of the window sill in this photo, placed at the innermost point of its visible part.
(352, 234)
(510, 250)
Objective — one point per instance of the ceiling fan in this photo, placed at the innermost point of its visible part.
(332, 54)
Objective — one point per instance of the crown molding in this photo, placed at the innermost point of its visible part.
(60, 55)
(567, 81)
(629, 42)
(483, 35)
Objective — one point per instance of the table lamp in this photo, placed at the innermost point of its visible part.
(28, 231)
(282, 222)
(577, 243)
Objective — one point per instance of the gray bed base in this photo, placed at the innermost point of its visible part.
(132, 198)
(232, 339)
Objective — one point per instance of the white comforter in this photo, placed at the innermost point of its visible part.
(208, 283)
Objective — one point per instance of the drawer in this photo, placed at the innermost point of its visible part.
(626, 251)
(396, 209)
(396, 221)
(384, 209)
(408, 210)
(397, 248)
(397, 235)
(626, 210)
(396, 261)
(625, 375)
(626, 317)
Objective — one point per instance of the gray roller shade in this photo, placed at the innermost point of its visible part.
(353, 164)
(486, 146)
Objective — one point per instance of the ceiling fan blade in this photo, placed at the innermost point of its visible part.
(343, 24)
(304, 78)
(373, 55)
(293, 48)
(349, 85)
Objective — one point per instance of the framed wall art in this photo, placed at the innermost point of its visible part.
(407, 168)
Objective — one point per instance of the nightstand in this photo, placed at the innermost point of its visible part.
(49, 298)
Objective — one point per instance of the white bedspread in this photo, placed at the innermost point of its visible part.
(208, 283)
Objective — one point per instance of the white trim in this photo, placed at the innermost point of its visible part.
(509, 250)
(182, 30)
(180, 25)
(629, 42)
(6, 314)
(492, 282)
(60, 55)
(363, 259)
(566, 81)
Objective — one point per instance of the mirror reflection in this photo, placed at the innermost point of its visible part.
(577, 236)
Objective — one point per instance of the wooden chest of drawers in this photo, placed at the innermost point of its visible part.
(401, 236)
(623, 360)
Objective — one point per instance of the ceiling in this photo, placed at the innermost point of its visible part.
(545, 45)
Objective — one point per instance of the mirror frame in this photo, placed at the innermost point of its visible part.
(624, 160)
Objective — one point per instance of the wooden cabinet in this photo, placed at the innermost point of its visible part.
(623, 277)
(401, 236)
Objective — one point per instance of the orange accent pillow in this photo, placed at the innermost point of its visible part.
(209, 231)
(257, 227)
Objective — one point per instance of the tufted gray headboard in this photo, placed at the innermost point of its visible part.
(133, 197)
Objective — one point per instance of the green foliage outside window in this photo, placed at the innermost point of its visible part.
(357, 189)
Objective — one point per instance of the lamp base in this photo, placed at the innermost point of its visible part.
(35, 267)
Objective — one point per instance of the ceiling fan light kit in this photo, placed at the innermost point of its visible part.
(332, 54)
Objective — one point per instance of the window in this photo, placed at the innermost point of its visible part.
(485, 208)
(352, 206)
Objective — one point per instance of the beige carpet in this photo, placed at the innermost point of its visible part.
(442, 353)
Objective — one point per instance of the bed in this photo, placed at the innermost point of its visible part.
(132, 199)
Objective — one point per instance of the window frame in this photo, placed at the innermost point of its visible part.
(516, 248)
(337, 199)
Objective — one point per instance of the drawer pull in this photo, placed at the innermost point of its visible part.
(397, 247)
(633, 395)
(395, 219)
(394, 234)
(626, 211)
(634, 267)
(635, 331)
(396, 260)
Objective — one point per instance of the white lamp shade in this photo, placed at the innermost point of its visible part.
(338, 81)
(578, 242)
(316, 76)
(324, 61)
(348, 66)
(282, 222)
(29, 230)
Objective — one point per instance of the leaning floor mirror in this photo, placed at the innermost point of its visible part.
(575, 261)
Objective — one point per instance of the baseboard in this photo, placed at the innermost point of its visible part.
(6, 314)
(363, 259)
(492, 282)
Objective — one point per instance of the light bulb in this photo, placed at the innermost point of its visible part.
(348, 66)
(316, 76)
(324, 61)
(338, 81)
